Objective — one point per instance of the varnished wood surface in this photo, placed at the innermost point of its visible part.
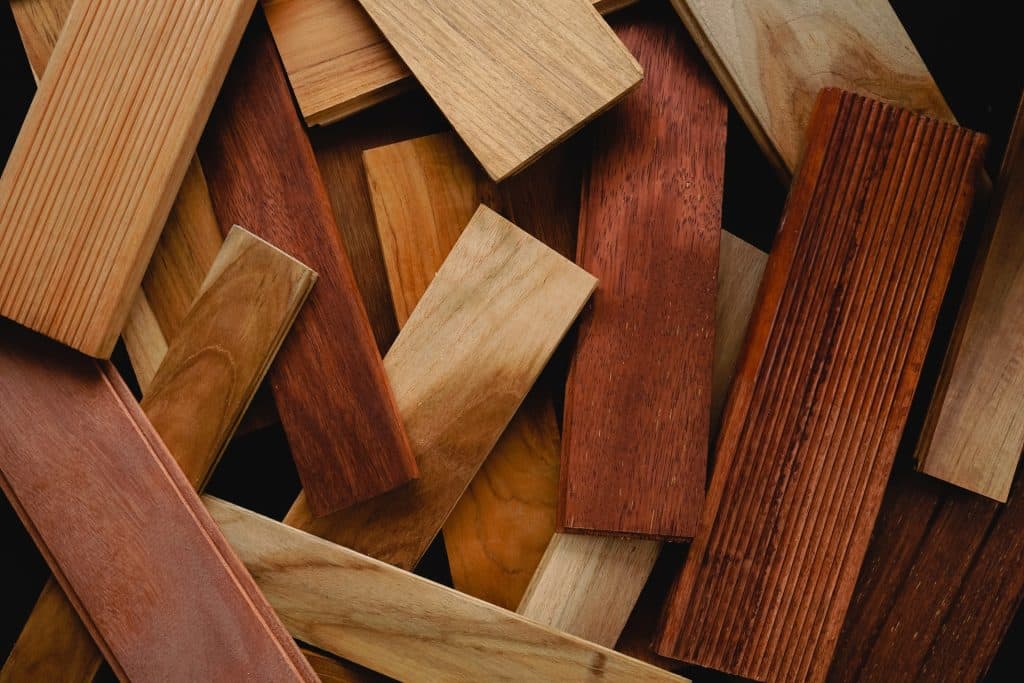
(851, 293)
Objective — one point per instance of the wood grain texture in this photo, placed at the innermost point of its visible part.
(635, 440)
(462, 364)
(977, 422)
(851, 293)
(39, 24)
(108, 494)
(80, 220)
(514, 77)
(402, 625)
(345, 436)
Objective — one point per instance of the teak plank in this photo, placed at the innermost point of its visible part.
(459, 369)
(345, 436)
(977, 423)
(638, 398)
(338, 61)
(849, 302)
(403, 625)
(129, 89)
(514, 77)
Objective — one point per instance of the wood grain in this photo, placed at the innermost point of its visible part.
(123, 94)
(345, 436)
(400, 624)
(635, 440)
(852, 290)
(338, 61)
(514, 77)
(459, 369)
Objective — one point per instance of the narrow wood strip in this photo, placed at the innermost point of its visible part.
(345, 436)
(514, 77)
(459, 369)
(852, 290)
(400, 624)
(125, 92)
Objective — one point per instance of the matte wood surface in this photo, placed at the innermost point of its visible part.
(638, 399)
(338, 61)
(773, 56)
(514, 77)
(329, 383)
(462, 364)
(79, 219)
(108, 494)
(403, 625)
(977, 429)
(852, 290)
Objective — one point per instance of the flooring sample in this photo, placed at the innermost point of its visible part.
(852, 289)
(79, 220)
(459, 369)
(650, 223)
(547, 68)
(337, 60)
(400, 624)
(976, 429)
(346, 437)
(117, 499)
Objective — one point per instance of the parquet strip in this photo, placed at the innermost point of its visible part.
(852, 290)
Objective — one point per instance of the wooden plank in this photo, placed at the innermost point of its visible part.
(123, 93)
(547, 68)
(459, 369)
(346, 436)
(338, 61)
(977, 424)
(400, 624)
(650, 223)
(852, 290)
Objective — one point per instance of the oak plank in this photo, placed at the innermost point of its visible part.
(514, 77)
(853, 286)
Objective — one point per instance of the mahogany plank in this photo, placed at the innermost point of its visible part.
(850, 297)
(345, 435)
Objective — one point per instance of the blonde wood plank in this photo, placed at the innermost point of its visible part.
(80, 219)
(459, 369)
(514, 77)
(400, 624)
(144, 340)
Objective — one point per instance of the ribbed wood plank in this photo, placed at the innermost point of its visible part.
(851, 294)
(129, 89)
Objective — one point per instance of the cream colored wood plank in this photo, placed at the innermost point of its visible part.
(144, 341)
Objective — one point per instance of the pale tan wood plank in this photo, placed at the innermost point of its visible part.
(403, 625)
(144, 340)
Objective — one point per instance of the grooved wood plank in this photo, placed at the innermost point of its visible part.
(104, 147)
(977, 422)
(514, 77)
(459, 369)
(346, 436)
(403, 625)
(852, 290)
(338, 61)
(635, 440)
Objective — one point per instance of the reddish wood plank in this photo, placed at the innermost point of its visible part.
(638, 400)
(328, 381)
(852, 289)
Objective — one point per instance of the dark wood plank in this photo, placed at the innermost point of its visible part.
(849, 302)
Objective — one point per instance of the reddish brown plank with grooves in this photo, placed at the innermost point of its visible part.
(127, 538)
(638, 400)
(328, 380)
(849, 301)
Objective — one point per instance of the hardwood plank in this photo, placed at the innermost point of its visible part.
(123, 93)
(547, 68)
(649, 230)
(400, 624)
(338, 61)
(39, 24)
(852, 290)
(346, 436)
(459, 369)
